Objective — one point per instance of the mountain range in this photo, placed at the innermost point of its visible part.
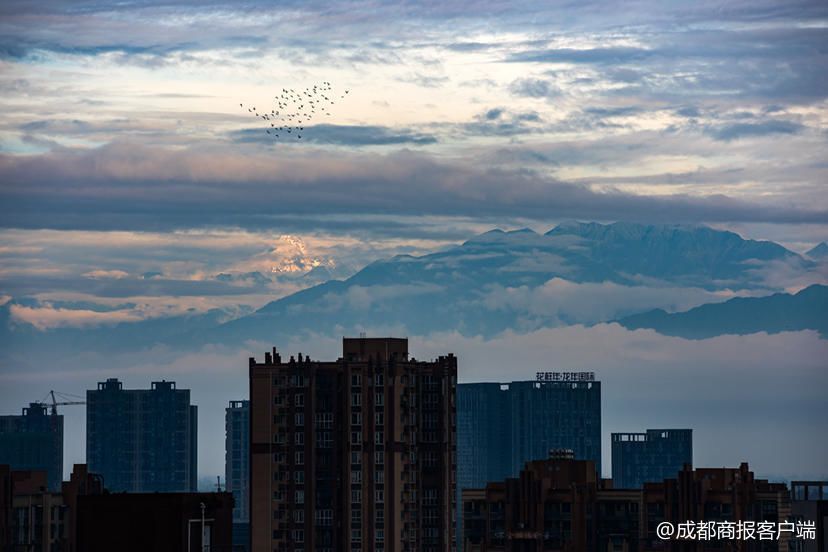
(576, 273)
(818, 252)
(780, 312)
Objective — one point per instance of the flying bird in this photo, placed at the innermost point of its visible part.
(298, 107)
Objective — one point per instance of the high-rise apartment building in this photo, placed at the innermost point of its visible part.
(353, 454)
(34, 441)
(654, 456)
(142, 440)
(237, 457)
(501, 426)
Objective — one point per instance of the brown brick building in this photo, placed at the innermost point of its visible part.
(353, 454)
(35, 519)
(559, 504)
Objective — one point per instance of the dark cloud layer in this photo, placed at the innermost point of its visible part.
(126, 186)
(734, 131)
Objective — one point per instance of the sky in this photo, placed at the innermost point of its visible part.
(134, 186)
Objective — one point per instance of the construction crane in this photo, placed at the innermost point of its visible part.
(66, 400)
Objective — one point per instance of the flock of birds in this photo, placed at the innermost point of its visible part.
(295, 109)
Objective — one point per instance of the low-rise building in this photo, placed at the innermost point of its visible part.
(560, 504)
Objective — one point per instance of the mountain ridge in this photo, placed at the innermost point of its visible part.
(779, 312)
(519, 280)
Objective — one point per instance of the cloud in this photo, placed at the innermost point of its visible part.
(426, 81)
(130, 186)
(562, 302)
(615, 55)
(736, 131)
(45, 318)
(493, 114)
(100, 274)
(534, 88)
(343, 135)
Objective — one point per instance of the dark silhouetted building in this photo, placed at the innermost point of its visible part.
(654, 456)
(34, 441)
(560, 504)
(157, 522)
(353, 454)
(142, 440)
(84, 517)
(809, 503)
(35, 519)
(501, 426)
(237, 467)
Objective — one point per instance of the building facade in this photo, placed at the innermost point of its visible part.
(36, 519)
(142, 440)
(237, 457)
(501, 426)
(84, 517)
(654, 456)
(353, 454)
(237, 469)
(809, 503)
(559, 504)
(34, 441)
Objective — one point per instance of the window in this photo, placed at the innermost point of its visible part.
(324, 517)
(380, 535)
(356, 399)
(379, 399)
(299, 477)
(300, 457)
(356, 457)
(324, 439)
(379, 437)
(299, 438)
(299, 516)
(299, 399)
(356, 418)
(356, 477)
(378, 379)
(356, 496)
(324, 420)
(379, 418)
(379, 476)
(299, 497)
(379, 457)
(379, 496)
(299, 535)
(356, 380)
(356, 515)
(299, 418)
(355, 438)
